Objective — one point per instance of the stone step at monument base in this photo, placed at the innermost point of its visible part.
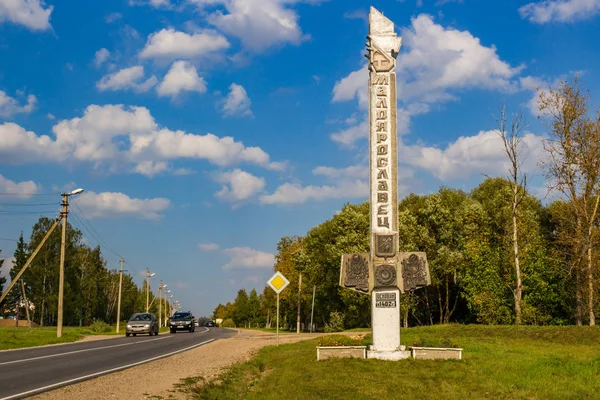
(390, 355)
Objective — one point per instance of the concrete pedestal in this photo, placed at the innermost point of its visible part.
(385, 306)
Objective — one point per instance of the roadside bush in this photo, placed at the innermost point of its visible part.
(228, 323)
(336, 322)
(99, 326)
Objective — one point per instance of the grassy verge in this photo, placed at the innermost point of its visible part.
(16, 338)
(499, 362)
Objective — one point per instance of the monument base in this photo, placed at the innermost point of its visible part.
(394, 355)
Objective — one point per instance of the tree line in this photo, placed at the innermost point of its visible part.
(90, 287)
(497, 255)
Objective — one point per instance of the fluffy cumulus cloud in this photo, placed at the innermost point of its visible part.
(171, 44)
(118, 205)
(237, 102)
(182, 76)
(120, 137)
(294, 193)
(127, 78)
(24, 189)
(433, 62)
(542, 12)
(101, 56)
(10, 106)
(469, 155)
(239, 185)
(152, 3)
(247, 258)
(208, 246)
(241, 257)
(34, 14)
(258, 24)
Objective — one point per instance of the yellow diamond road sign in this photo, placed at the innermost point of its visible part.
(278, 282)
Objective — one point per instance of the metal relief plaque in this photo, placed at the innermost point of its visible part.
(415, 270)
(386, 245)
(355, 272)
(385, 275)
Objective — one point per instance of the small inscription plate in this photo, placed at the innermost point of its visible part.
(415, 271)
(385, 300)
(355, 272)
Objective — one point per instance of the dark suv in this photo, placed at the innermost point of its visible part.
(182, 321)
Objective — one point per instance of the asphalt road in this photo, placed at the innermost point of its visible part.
(31, 371)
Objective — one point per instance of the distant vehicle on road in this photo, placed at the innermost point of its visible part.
(210, 323)
(142, 323)
(182, 321)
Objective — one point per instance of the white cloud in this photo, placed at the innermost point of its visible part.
(241, 257)
(10, 106)
(293, 193)
(112, 17)
(258, 24)
(21, 146)
(171, 44)
(433, 62)
(120, 137)
(50, 116)
(469, 155)
(208, 246)
(118, 205)
(237, 101)
(127, 78)
(559, 10)
(247, 258)
(352, 172)
(151, 168)
(239, 185)
(152, 3)
(30, 13)
(21, 189)
(101, 56)
(181, 77)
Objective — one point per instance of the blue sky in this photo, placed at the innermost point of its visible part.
(205, 130)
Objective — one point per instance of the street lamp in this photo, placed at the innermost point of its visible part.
(148, 276)
(61, 276)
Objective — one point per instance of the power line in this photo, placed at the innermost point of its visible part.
(28, 204)
(29, 194)
(4, 212)
(96, 235)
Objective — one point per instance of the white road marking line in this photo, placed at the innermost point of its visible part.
(81, 351)
(44, 388)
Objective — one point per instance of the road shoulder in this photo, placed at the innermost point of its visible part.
(158, 379)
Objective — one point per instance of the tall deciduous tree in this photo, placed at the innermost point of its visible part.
(512, 138)
(573, 166)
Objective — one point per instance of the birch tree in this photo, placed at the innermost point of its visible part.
(512, 139)
(573, 167)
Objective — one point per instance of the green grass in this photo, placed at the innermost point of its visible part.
(270, 330)
(16, 338)
(498, 362)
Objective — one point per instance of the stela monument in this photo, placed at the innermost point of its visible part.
(385, 271)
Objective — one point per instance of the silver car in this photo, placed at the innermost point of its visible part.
(142, 323)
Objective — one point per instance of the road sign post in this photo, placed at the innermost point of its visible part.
(278, 282)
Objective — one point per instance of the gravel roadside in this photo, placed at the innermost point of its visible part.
(157, 378)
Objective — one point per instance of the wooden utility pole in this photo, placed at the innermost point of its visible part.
(120, 284)
(61, 274)
(312, 311)
(299, 298)
(160, 288)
